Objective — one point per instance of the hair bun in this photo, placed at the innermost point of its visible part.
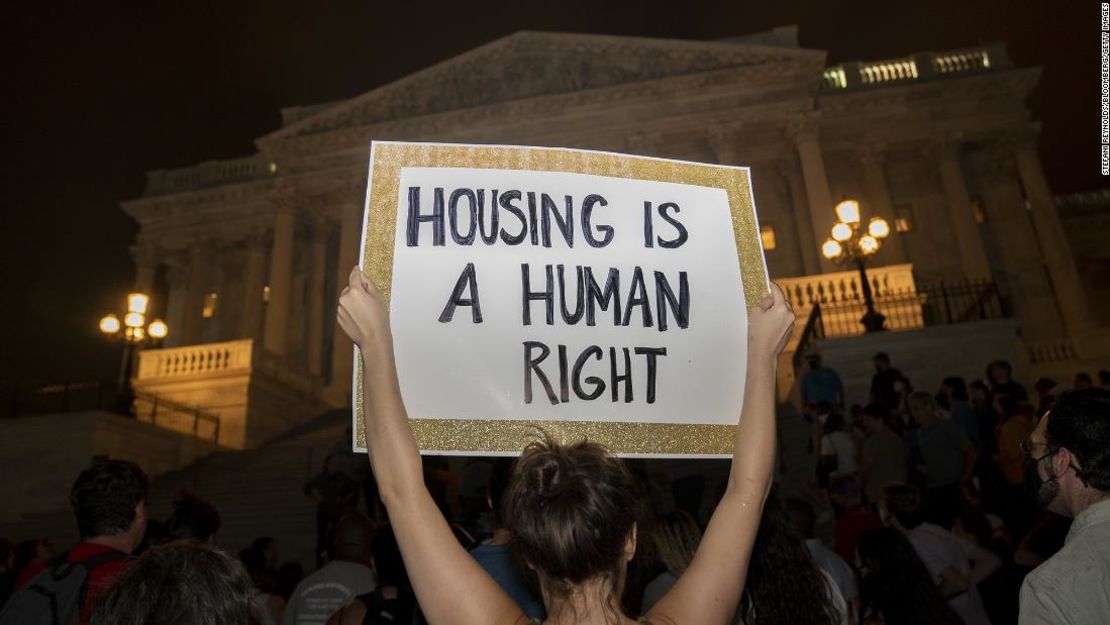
(549, 476)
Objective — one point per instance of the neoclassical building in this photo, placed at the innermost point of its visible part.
(243, 256)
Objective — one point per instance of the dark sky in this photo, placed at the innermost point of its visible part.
(96, 95)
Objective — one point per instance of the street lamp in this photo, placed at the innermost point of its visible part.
(850, 244)
(135, 333)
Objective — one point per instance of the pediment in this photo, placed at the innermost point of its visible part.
(531, 64)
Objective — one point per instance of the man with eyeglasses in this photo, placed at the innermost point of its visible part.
(1068, 468)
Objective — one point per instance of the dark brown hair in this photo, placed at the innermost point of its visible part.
(571, 509)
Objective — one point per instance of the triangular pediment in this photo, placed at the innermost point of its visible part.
(530, 64)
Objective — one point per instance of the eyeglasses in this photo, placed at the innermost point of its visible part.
(1027, 445)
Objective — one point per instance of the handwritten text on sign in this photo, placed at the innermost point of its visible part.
(556, 296)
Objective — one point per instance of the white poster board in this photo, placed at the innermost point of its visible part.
(587, 294)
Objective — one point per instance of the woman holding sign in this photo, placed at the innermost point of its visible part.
(569, 507)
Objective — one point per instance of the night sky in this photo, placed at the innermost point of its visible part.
(95, 96)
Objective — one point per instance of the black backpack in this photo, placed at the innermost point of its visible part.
(55, 596)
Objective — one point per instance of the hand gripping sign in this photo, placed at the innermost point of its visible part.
(587, 294)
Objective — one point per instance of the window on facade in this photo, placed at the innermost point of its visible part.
(209, 310)
(265, 294)
(977, 210)
(903, 218)
(767, 234)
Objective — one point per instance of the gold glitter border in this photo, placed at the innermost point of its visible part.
(492, 435)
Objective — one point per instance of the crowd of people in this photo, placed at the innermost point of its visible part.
(950, 507)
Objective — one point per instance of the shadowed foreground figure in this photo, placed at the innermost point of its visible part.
(183, 582)
(568, 506)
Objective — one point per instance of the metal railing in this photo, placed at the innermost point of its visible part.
(172, 415)
(54, 398)
(932, 304)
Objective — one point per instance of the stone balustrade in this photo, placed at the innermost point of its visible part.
(921, 66)
(1053, 350)
(208, 174)
(841, 297)
(192, 360)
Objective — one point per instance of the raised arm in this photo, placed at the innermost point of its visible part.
(451, 587)
(709, 591)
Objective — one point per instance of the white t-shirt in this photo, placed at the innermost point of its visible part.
(325, 591)
(940, 549)
(841, 444)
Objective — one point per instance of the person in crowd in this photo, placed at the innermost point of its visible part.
(1104, 378)
(193, 519)
(1046, 390)
(802, 518)
(1014, 427)
(882, 383)
(957, 566)
(267, 606)
(286, 579)
(473, 499)
(852, 515)
(676, 539)
(821, 384)
(334, 493)
(948, 459)
(30, 557)
(978, 526)
(836, 451)
(267, 546)
(1000, 377)
(983, 403)
(184, 581)
(960, 410)
(393, 600)
(785, 584)
(883, 458)
(494, 556)
(340, 580)
(109, 503)
(895, 586)
(570, 507)
(1069, 472)
(1082, 380)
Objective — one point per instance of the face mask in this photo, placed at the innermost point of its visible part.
(1040, 491)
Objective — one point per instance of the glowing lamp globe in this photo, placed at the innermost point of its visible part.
(868, 244)
(848, 211)
(133, 320)
(831, 249)
(109, 324)
(158, 329)
(137, 303)
(841, 232)
(878, 228)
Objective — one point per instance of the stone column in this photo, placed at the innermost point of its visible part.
(254, 279)
(803, 132)
(873, 161)
(973, 258)
(316, 297)
(342, 354)
(1022, 273)
(178, 278)
(803, 222)
(724, 141)
(146, 264)
(281, 273)
(196, 288)
(1054, 243)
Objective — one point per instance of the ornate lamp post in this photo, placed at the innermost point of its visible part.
(135, 333)
(852, 245)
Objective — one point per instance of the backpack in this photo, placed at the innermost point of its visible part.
(55, 596)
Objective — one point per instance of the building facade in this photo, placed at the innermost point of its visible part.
(246, 255)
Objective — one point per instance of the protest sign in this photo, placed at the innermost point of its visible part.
(587, 294)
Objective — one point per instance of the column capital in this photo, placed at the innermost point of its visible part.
(1020, 138)
(870, 154)
(942, 148)
(804, 127)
